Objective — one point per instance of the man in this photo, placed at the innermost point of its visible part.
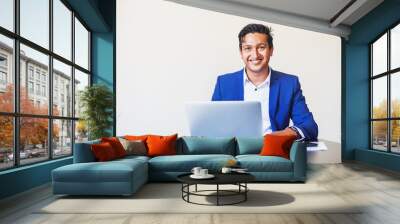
(280, 94)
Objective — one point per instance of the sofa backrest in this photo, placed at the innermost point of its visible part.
(249, 145)
(192, 145)
(188, 145)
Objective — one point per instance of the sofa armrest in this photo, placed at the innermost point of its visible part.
(83, 152)
(298, 155)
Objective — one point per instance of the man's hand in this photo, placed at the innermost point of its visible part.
(286, 132)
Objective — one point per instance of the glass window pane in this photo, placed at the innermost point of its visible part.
(62, 29)
(395, 94)
(379, 97)
(62, 89)
(35, 21)
(6, 142)
(62, 138)
(395, 136)
(7, 14)
(34, 97)
(81, 131)
(81, 81)
(395, 47)
(6, 74)
(33, 139)
(379, 135)
(379, 55)
(81, 45)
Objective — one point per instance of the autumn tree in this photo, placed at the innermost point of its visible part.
(33, 131)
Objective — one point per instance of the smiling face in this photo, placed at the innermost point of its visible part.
(255, 53)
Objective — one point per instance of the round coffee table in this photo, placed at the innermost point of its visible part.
(238, 179)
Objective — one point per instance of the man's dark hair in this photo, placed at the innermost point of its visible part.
(255, 28)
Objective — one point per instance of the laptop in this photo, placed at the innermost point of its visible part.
(225, 119)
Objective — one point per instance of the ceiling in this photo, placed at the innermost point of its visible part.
(326, 16)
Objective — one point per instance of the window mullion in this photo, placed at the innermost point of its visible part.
(389, 112)
(16, 84)
(50, 87)
(371, 142)
(73, 82)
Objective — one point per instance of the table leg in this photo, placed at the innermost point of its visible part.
(245, 193)
(188, 190)
(196, 188)
(217, 194)
(182, 190)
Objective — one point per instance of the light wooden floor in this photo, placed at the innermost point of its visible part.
(377, 188)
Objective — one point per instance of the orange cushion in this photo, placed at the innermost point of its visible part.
(161, 145)
(103, 152)
(116, 145)
(277, 145)
(136, 137)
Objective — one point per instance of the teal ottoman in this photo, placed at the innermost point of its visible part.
(118, 177)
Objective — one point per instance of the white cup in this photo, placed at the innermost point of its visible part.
(226, 170)
(203, 172)
(196, 170)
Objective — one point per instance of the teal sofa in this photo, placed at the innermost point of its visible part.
(125, 176)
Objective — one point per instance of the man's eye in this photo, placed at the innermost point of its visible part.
(247, 48)
(262, 48)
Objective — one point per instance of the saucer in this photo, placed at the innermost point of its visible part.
(208, 176)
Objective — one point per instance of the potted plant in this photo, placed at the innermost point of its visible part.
(96, 102)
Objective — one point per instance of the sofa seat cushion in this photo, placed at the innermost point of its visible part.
(185, 163)
(257, 163)
(111, 171)
(133, 158)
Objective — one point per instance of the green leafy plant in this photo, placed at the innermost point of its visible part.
(96, 102)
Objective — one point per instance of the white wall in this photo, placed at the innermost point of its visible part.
(168, 54)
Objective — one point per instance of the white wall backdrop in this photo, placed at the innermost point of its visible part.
(168, 54)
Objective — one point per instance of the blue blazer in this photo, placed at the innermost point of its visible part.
(286, 100)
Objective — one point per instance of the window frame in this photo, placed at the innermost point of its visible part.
(388, 74)
(15, 72)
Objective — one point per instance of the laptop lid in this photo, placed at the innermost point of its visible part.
(225, 118)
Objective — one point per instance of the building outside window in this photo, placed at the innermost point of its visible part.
(3, 78)
(3, 81)
(30, 87)
(44, 77)
(43, 90)
(38, 89)
(37, 75)
(3, 72)
(30, 72)
(3, 61)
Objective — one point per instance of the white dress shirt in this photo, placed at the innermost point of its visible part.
(259, 93)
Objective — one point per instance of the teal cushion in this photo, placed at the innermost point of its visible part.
(185, 163)
(257, 163)
(249, 145)
(193, 145)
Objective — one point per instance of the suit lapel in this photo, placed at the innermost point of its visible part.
(240, 86)
(273, 98)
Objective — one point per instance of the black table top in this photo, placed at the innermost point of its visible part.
(220, 178)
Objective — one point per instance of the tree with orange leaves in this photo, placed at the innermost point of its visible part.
(33, 130)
